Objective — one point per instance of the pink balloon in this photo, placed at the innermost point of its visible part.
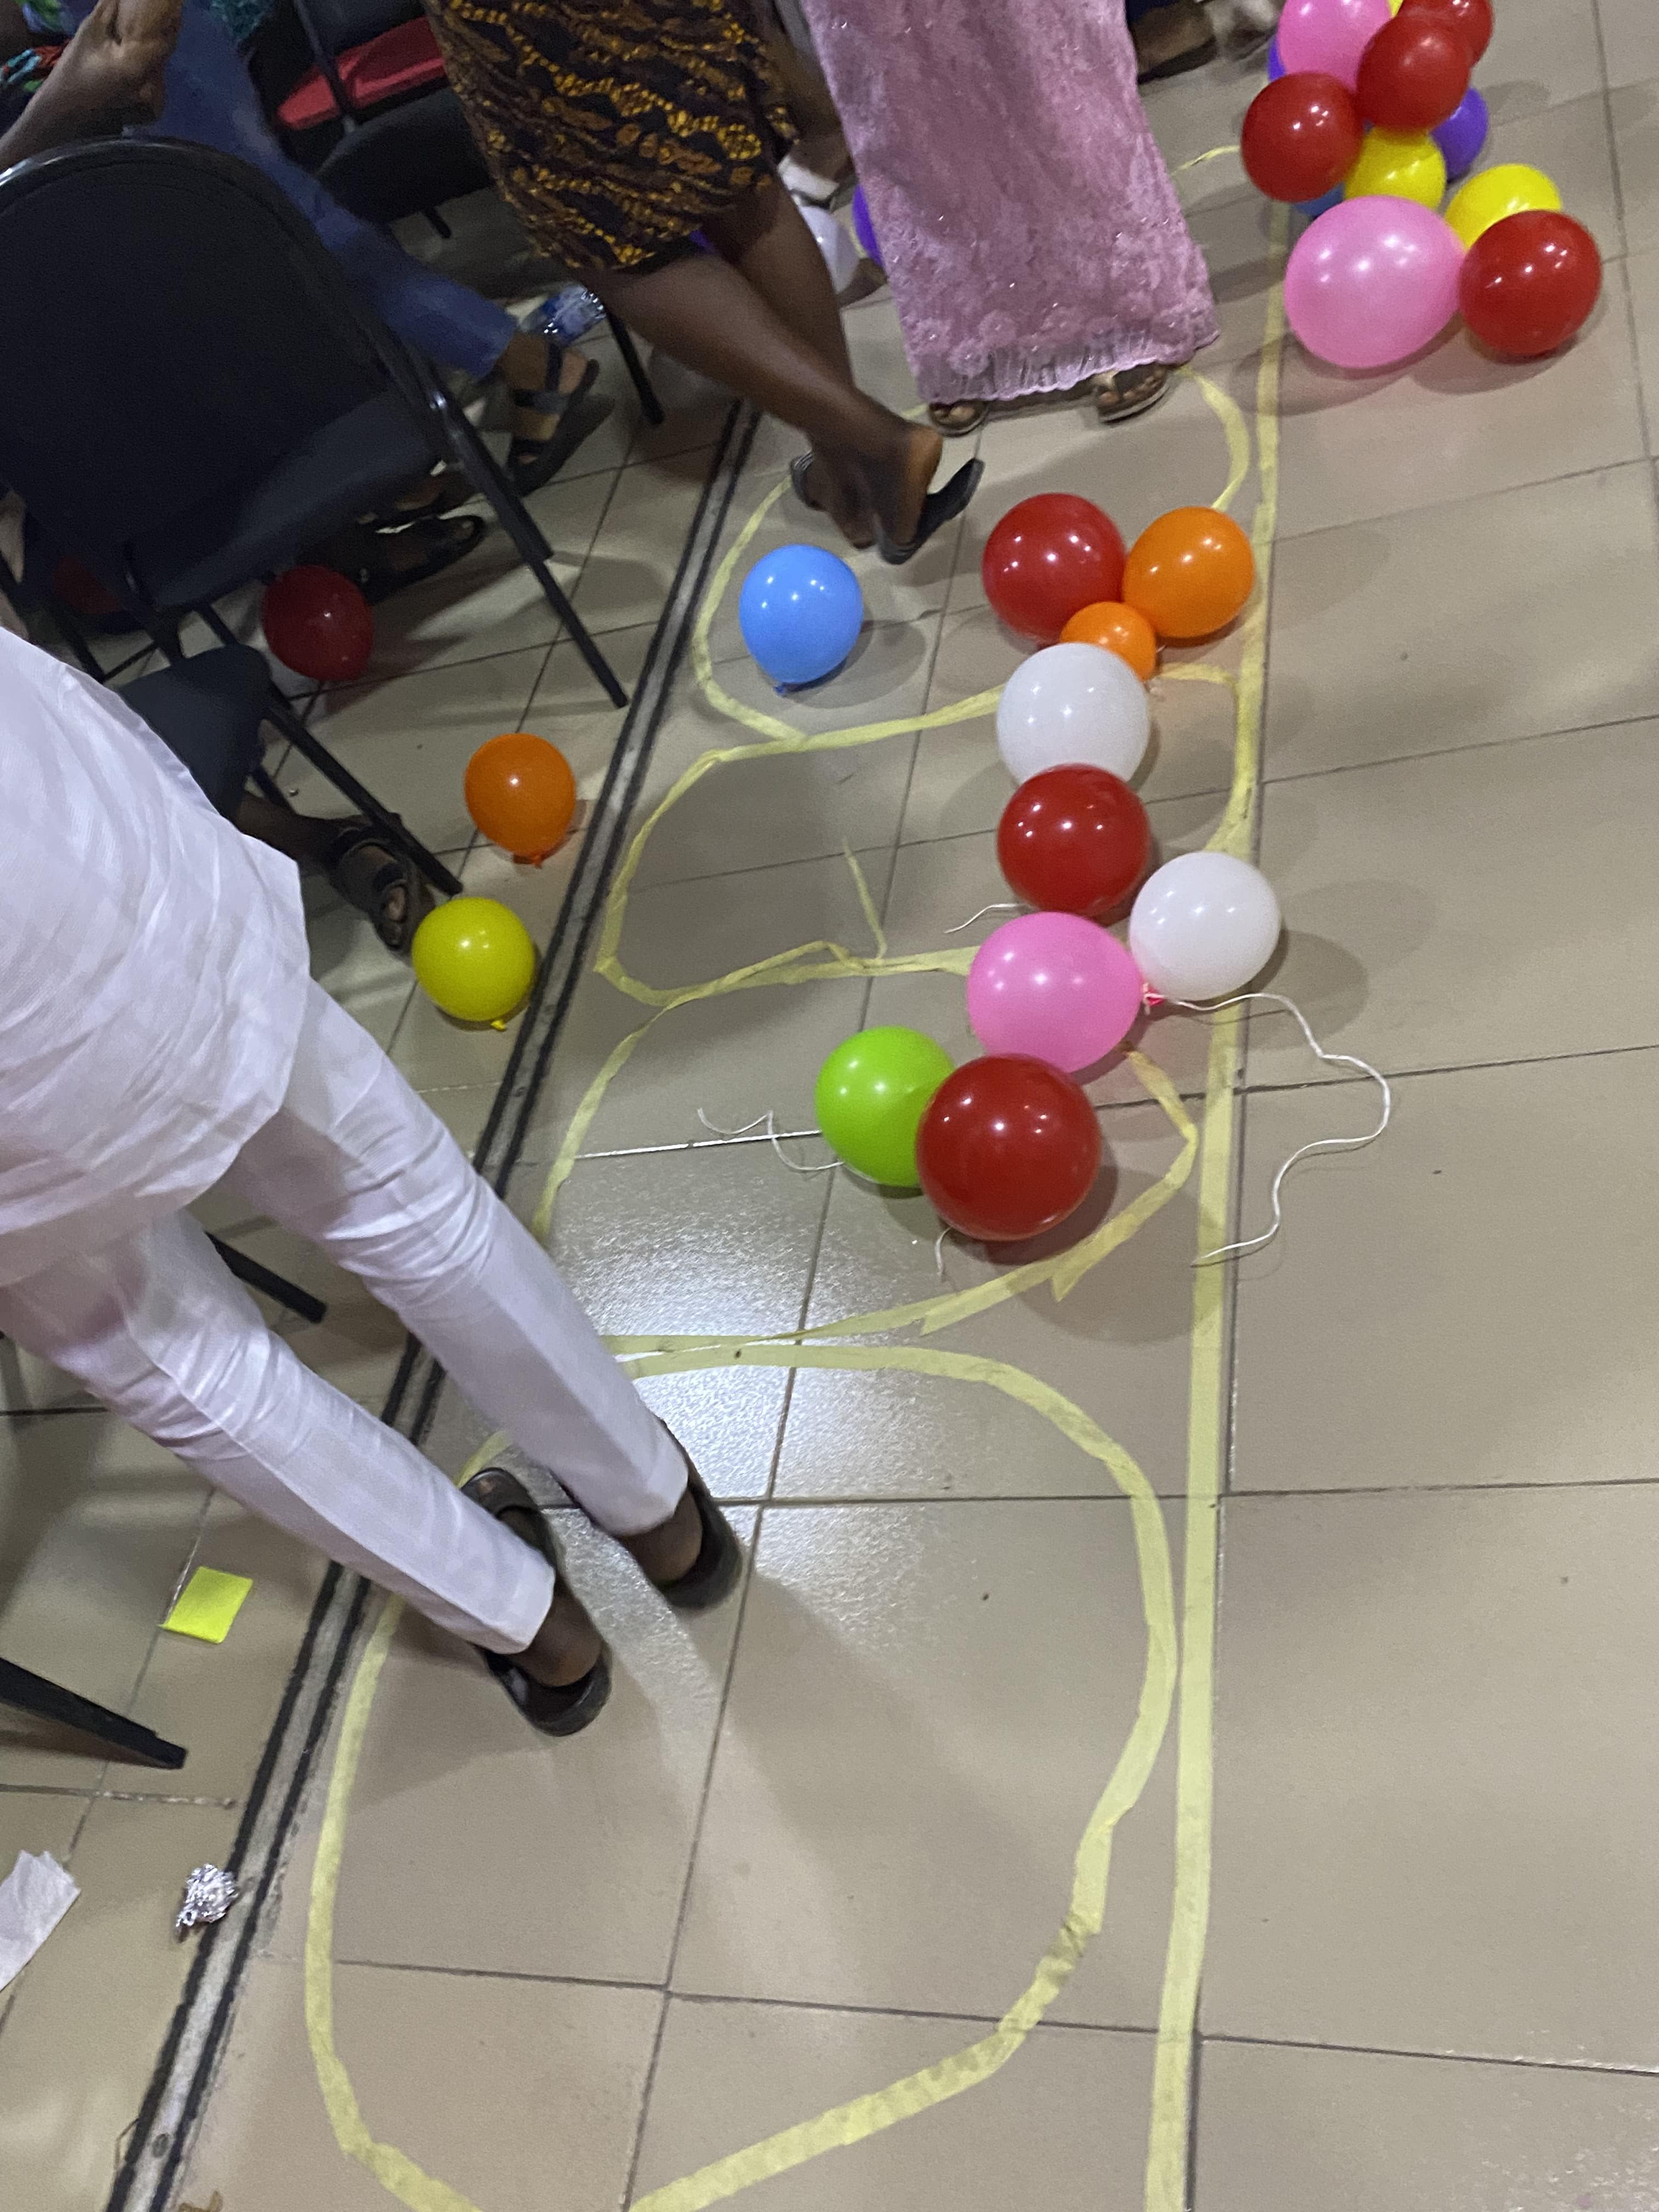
(1055, 985)
(1329, 36)
(1371, 282)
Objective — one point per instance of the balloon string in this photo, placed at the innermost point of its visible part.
(1002, 906)
(1302, 1152)
(769, 1119)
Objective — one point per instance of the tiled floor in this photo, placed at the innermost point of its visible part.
(821, 1839)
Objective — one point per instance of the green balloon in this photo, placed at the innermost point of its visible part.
(871, 1094)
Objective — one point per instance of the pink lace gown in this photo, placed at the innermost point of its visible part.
(1030, 231)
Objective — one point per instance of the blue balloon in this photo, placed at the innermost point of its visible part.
(800, 612)
(1463, 134)
(1275, 63)
(1310, 210)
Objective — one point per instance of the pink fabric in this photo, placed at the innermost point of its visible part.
(1030, 231)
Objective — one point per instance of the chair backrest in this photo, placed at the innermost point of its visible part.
(333, 26)
(173, 328)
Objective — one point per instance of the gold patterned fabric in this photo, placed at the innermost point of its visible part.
(614, 128)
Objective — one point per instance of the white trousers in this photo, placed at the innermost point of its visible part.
(157, 1328)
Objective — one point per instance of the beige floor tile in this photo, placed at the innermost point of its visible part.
(1406, 1282)
(600, 1826)
(409, 740)
(1456, 423)
(1067, 2109)
(891, 594)
(1631, 37)
(1116, 1346)
(491, 602)
(940, 885)
(1411, 636)
(356, 970)
(220, 1700)
(98, 1523)
(1642, 276)
(1541, 52)
(89, 2017)
(569, 710)
(959, 783)
(1633, 113)
(793, 806)
(515, 2094)
(992, 1654)
(629, 569)
(733, 1056)
(695, 408)
(1416, 945)
(1430, 1823)
(1300, 2130)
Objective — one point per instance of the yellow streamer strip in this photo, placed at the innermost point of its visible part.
(866, 2116)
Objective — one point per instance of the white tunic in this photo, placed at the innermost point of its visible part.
(153, 971)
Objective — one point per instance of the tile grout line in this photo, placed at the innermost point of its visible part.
(1403, 515)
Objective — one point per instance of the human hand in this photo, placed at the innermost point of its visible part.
(113, 72)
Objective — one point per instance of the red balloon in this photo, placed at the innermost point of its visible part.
(1008, 1147)
(1047, 557)
(1075, 840)
(1413, 74)
(1301, 135)
(1472, 17)
(1528, 282)
(318, 623)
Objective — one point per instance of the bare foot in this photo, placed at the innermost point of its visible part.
(835, 489)
(897, 489)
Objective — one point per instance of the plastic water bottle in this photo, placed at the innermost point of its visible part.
(567, 315)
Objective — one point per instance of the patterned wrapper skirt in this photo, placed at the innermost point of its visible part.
(615, 128)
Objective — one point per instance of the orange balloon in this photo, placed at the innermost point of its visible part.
(520, 792)
(1120, 629)
(1189, 571)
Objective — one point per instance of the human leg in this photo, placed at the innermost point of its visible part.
(359, 1164)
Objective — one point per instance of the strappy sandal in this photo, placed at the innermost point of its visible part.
(1123, 393)
(560, 1710)
(531, 461)
(367, 871)
(362, 554)
(958, 418)
(937, 509)
(713, 1575)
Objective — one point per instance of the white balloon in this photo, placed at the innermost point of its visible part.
(841, 255)
(1073, 703)
(1203, 926)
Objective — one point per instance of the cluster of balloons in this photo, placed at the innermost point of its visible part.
(1368, 115)
(1008, 1146)
(319, 623)
(800, 611)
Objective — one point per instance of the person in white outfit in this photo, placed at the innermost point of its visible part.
(160, 1032)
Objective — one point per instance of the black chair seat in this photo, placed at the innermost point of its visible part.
(343, 469)
(207, 712)
(405, 158)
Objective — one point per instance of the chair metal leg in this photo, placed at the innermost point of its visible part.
(50, 1701)
(649, 403)
(268, 1282)
(533, 549)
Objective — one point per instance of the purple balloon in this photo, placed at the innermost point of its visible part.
(1275, 63)
(1462, 135)
(1310, 210)
(864, 231)
(1373, 282)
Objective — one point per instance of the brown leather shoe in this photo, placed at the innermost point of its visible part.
(556, 1709)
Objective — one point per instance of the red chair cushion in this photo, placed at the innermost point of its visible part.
(398, 61)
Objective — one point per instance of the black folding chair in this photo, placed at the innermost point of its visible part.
(258, 405)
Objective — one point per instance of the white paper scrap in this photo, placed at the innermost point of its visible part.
(34, 1898)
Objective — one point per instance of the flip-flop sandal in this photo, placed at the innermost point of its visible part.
(366, 871)
(960, 418)
(937, 509)
(530, 464)
(713, 1575)
(1123, 393)
(561, 1711)
(445, 488)
(451, 540)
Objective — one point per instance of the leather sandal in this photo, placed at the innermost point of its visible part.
(937, 509)
(556, 1710)
(531, 461)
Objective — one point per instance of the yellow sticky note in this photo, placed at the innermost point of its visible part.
(207, 1604)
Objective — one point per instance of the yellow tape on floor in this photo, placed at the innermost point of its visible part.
(1165, 2185)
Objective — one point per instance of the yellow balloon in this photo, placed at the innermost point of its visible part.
(1512, 188)
(1406, 165)
(474, 958)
